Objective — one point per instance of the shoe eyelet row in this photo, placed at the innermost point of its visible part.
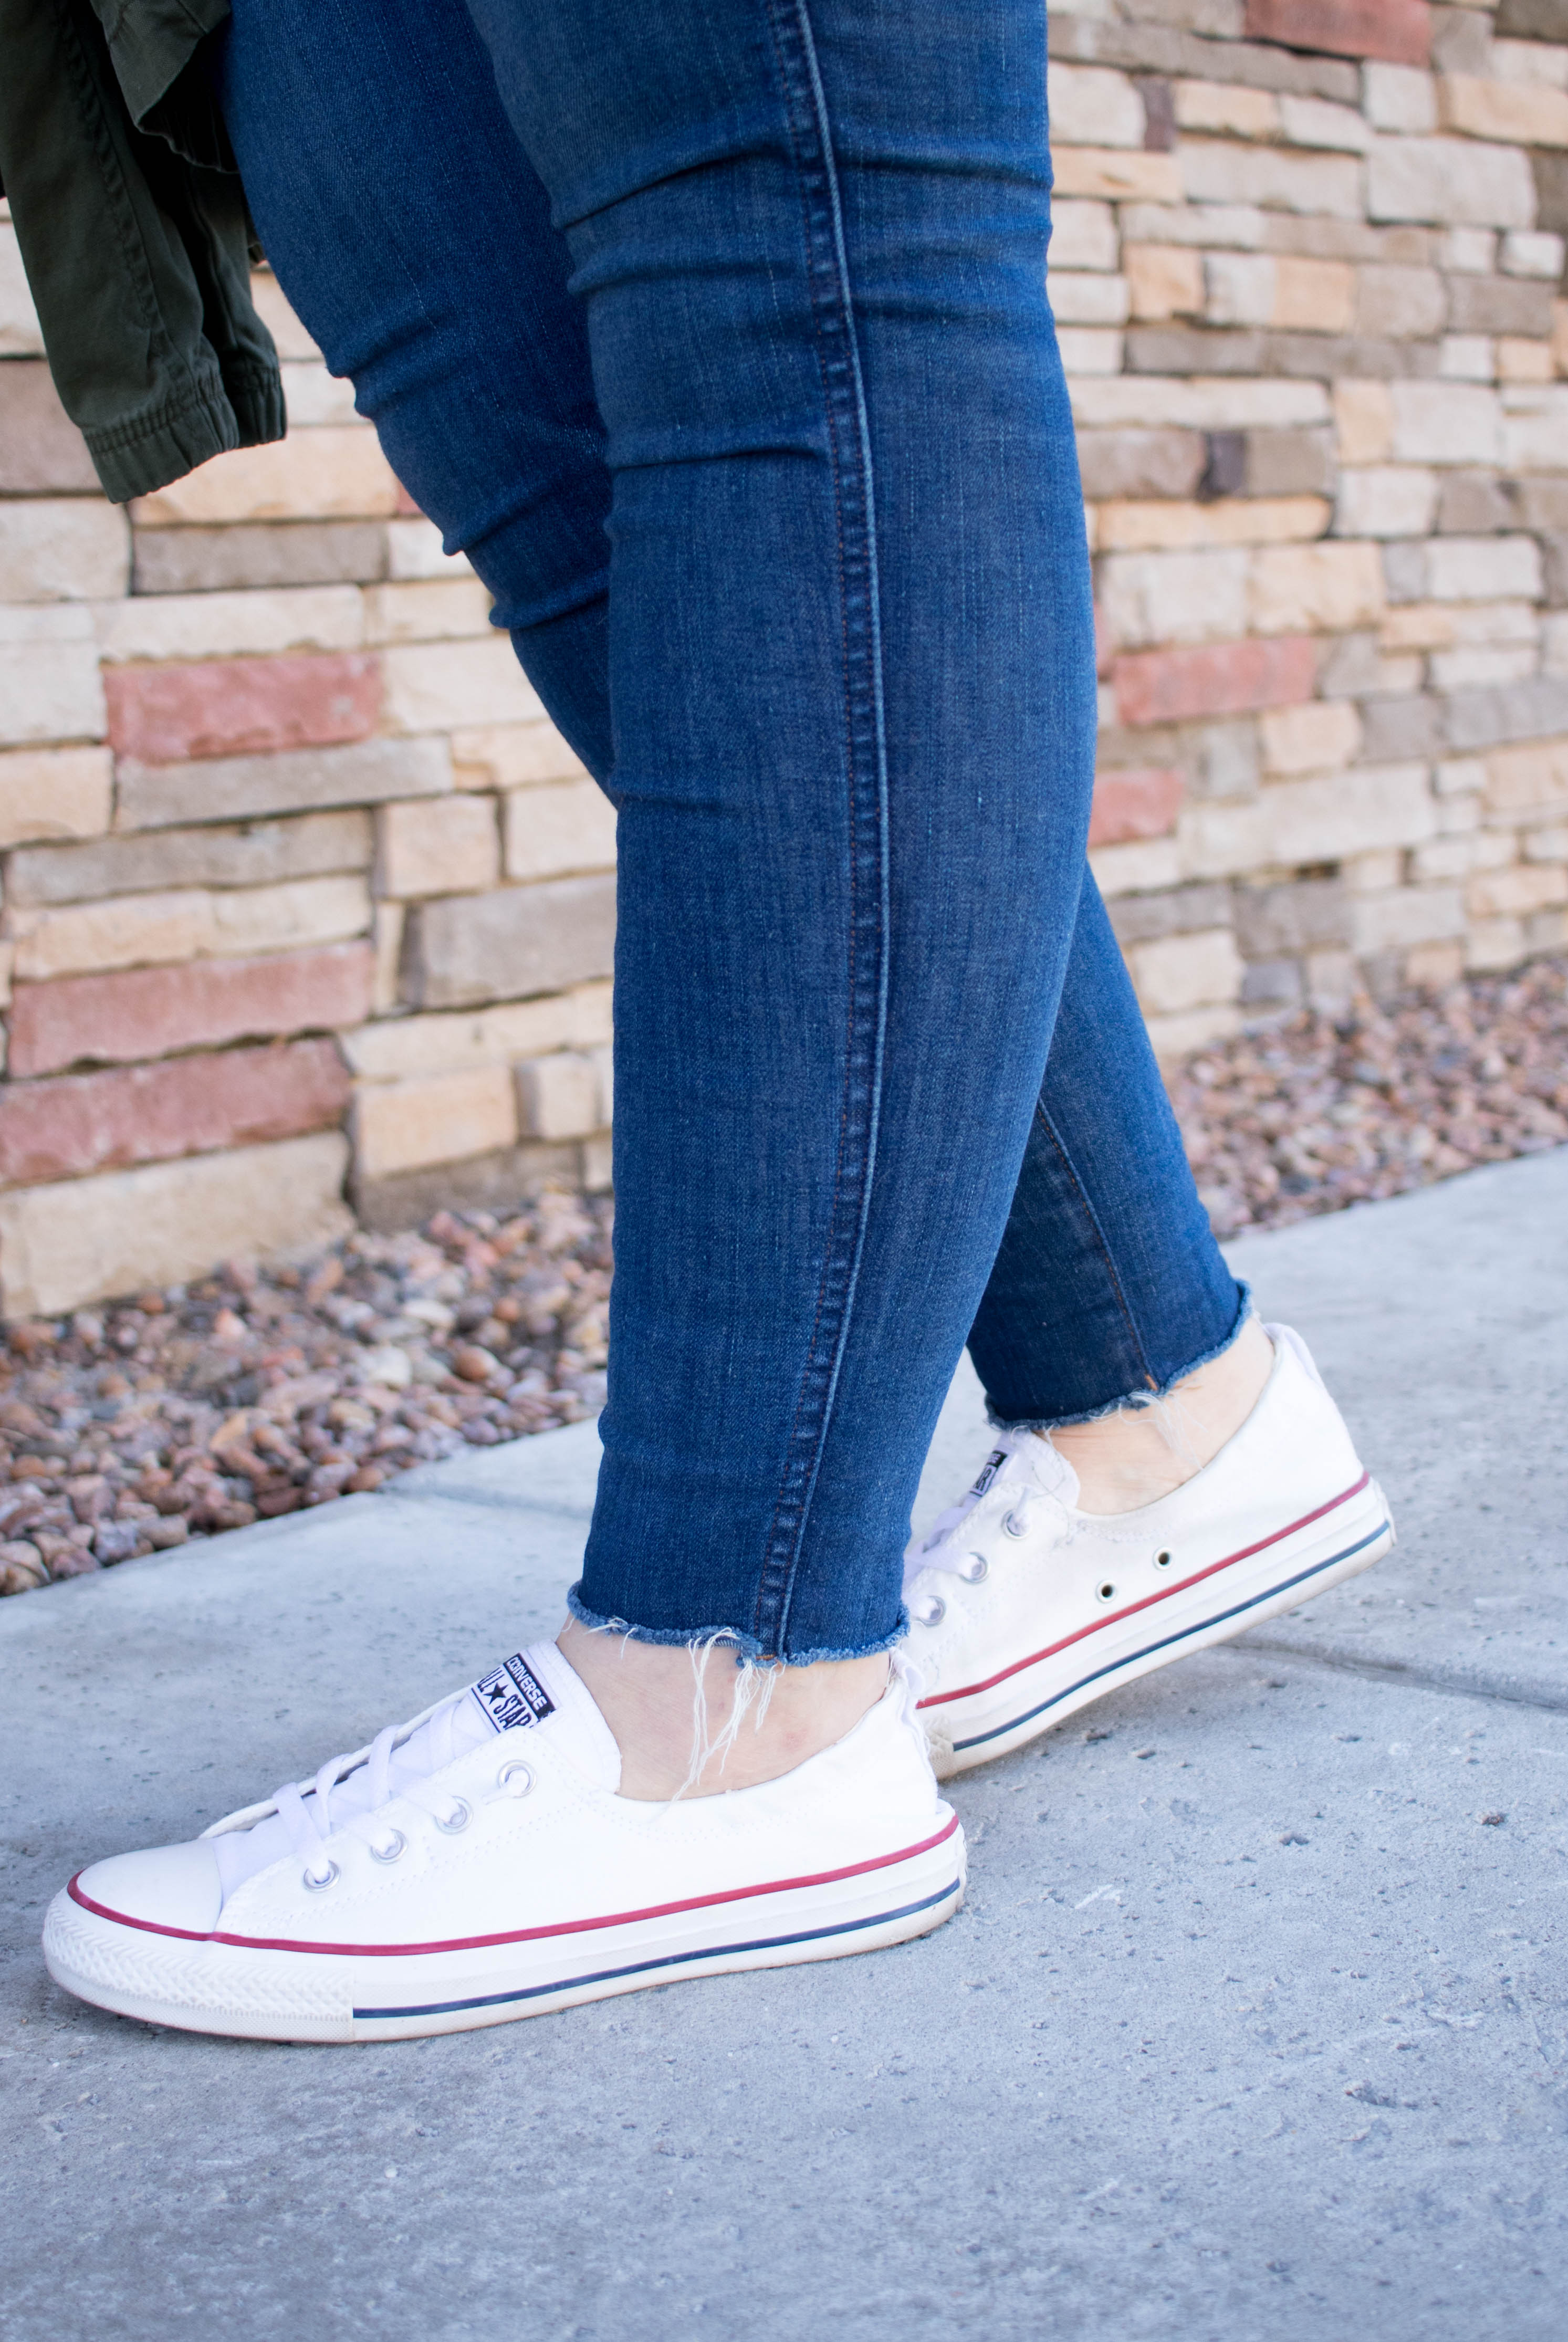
(975, 1569)
(317, 1886)
(391, 1850)
(1163, 1560)
(1104, 1591)
(515, 1777)
(1012, 1525)
(931, 1612)
(457, 1819)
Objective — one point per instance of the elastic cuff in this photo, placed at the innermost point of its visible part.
(1134, 1399)
(745, 1647)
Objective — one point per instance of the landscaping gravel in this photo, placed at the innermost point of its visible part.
(136, 1425)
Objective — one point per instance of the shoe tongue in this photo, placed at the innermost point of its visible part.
(539, 1687)
(1027, 1459)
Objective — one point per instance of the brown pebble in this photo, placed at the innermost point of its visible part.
(474, 1364)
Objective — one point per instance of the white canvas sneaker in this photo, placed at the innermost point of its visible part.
(1024, 1610)
(477, 1865)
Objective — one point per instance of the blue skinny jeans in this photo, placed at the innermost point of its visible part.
(716, 335)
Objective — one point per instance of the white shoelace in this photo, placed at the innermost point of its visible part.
(1022, 1472)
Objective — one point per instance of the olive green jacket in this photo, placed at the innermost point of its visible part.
(134, 232)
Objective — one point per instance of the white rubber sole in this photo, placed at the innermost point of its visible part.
(1030, 1695)
(258, 1991)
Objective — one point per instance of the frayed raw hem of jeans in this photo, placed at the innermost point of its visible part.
(745, 1647)
(1137, 1398)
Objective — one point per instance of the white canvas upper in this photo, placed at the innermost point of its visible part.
(1025, 1607)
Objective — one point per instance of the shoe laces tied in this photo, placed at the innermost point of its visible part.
(351, 1792)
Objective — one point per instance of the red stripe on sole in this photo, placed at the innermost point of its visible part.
(519, 1935)
(1112, 1618)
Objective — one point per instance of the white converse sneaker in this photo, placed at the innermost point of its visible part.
(1025, 1609)
(476, 1865)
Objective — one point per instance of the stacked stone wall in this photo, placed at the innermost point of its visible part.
(307, 906)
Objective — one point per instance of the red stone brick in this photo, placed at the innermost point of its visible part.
(1140, 803)
(147, 1012)
(235, 707)
(405, 506)
(1214, 679)
(1104, 650)
(1399, 31)
(185, 1105)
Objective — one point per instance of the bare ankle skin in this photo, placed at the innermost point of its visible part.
(646, 1694)
(1140, 1454)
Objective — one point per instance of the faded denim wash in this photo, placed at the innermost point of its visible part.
(718, 337)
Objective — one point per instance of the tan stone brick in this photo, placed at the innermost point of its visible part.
(278, 318)
(240, 788)
(1140, 867)
(1313, 738)
(182, 924)
(1373, 874)
(1450, 179)
(1534, 428)
(1529, 113)
(1215, 171)
(1466, 357)
(1516, 892)
(1532, 252)
(1176, 598)
(1369, 808)
(1181, 972)
(413, 549)
(147, 862)
(553, 830)
(1445, 423)
(1301, 588)
(510, 944)
(257, 555)
(435, 688)
(1520, 361)
(1560, 336)
(50, 690)
(428, 610)
(442, 1118)
(1083, 235)
(1386, 500)
(1398, 98)
(63, 549)
(228, 625)
(1241, 520)
(1400, 304)
(1226, 106)
(1495, 943)
(1212, 403)
(326, 475)
(442, 845)
(1138, 464)
(1164, 280)
(1483, 568)
(388, 923)
(1408, 916)
(1091, 106)
(1443, 858)
(405, 1048)
(1118, 175)
(560, 1097)
(48, 793)
(1090, 350)
(1435, 967)
(1079, 298)
(1177, 1036)
(1318, 122)
(313, 396)
(1464, 670)
(1313, 296)
(1239, 287)
(21, 335)
(1529, 779)
(1546, 845)
(81, 1240)
(1363, 421)
(512, 755)
(42, 453)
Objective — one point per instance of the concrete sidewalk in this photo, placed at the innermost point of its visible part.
(1254, 2024)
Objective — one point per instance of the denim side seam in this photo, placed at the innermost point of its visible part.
(1093, 1217)
(745, 1647)
(1138, 1398)
(849, 445)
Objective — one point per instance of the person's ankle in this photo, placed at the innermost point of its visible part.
(1132, 1458)
(652, 1696)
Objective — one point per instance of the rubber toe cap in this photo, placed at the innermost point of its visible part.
(165, 1887)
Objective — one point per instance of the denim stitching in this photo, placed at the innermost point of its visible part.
(1151, 1379)
(850, 455)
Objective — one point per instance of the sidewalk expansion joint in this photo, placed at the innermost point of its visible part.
(1413, 1679)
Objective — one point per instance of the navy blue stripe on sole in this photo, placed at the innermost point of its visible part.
(672, 1960)
(1131, 1658)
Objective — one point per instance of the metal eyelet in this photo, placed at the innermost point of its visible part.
(457, 1819)
(391, 1850)
(932, 1612)
(1013, 1525)
(515, 1777)
(1104, 1591)
(1163, 1560)
(308, 1879)
(977, 1568)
